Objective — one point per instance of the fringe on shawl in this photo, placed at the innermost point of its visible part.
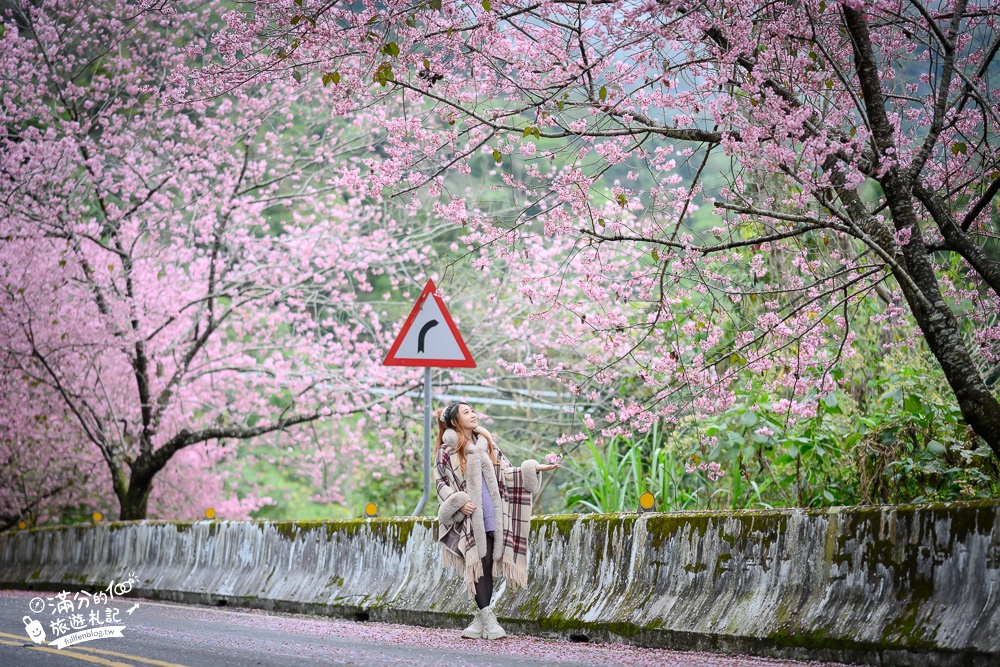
(473, 571)
(516, 574)
(450, 559)
(471, 567)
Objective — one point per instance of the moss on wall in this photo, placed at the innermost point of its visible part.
(851, 581)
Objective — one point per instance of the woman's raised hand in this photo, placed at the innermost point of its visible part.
(468, 508)
(542, 467)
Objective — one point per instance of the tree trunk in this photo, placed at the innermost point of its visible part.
(938, 324)
(940, 329)
(133, 505)
(134, 500)
(915, 274)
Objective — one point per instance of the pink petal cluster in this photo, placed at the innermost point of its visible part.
(712, 470)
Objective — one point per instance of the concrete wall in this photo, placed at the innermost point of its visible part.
(884, 585)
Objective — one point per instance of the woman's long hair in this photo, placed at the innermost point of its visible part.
(447, 418)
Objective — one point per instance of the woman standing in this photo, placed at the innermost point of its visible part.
(484, 512)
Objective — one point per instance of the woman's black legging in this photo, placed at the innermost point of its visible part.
(484, 587)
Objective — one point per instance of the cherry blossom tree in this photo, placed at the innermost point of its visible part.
(177, 274)
(38, 483)
(727, 180)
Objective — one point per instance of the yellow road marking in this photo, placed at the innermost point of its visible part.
(148, 661)
(70, 654)
(68, 651)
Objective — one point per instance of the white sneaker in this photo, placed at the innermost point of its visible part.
(475, 629)
(491, 629)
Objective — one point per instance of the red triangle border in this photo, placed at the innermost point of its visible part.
(392, 360)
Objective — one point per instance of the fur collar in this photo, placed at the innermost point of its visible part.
(479, 469)
(450, 438)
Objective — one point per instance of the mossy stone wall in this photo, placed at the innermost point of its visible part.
(904, 585)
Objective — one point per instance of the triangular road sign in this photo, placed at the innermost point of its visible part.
(429, 337)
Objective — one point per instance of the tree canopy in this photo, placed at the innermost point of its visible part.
(859, 139)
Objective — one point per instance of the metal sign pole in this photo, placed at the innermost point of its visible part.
(427, 443)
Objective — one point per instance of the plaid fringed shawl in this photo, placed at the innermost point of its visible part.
(463, 539)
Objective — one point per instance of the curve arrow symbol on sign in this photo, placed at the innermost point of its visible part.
(423, 334)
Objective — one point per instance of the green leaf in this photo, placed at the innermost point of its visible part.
(913, 404)
(335, 77)
(603, 93)
(829, 496)
(959, 147)
(297, 76)
(935, 447)
(486, 5)
(601, 222)
(296, 19)
(622, 200)
(427, 64)
(749, 418)
(391, 49)
(331, 77)
(655, 255)
(793, 451)
(384, 74)
(560, 104)
(822, 6)
(435, 4)
(298, 2)
(498, 157)
(528, 130)
(830, 400)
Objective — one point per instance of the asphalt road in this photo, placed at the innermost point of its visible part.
(172, 635)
